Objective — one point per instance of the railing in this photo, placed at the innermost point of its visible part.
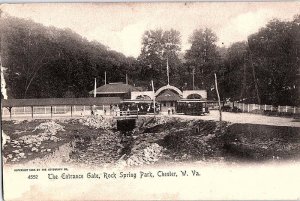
(256, 108)
(76, 110)
(126, 114)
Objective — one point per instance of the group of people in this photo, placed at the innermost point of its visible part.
(141, 108)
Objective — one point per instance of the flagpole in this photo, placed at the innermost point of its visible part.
(95, 88)
(168, 71)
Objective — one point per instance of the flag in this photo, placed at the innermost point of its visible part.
(95, 88)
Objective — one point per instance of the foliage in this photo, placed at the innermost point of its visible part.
(265, 69)
(49, 62)
(203, 56)
(158, 48)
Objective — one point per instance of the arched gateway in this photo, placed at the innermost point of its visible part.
(168, 96)
(168, 87)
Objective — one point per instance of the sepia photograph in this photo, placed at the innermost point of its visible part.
(150, 101)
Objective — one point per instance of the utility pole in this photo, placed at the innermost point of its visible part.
(105, 78)
(153, 97)
(254, 79)
(219, 102)
(95, 88)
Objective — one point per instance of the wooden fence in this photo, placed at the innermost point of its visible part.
(256, 108)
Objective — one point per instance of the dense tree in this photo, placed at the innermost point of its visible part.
(50, 62)
(203, 57)
(264, 69)
(234, 79)
(274, 56)
(158, 47)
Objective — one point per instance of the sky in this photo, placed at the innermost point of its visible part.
(120, 26)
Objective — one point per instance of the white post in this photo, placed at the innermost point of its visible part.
(258, 107)
(154, 109)
(278, 108)
(243, 107)
(294, 110)
(286, 108)
(219, 102)
(248, 107)
(271, 107)
(265, 107)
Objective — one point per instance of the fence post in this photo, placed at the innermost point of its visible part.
(294, 110)
(265, 107)
(248, 107)
(31, 111)
(243, 107)
(271, 108)
(51, 111)
(258, 107)
(278, 108)
(286, 108)
(71, 110)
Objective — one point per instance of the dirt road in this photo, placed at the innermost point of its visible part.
(246, 118)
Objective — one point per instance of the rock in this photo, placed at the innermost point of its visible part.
(34, 149)
(5, 139)
(9, 155)
(48, 150)
(22, 154)
(16, 151)
(119, 151)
